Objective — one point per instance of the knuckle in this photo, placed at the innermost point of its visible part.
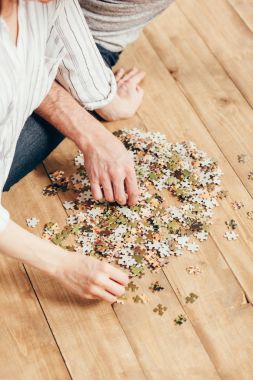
(121, 200)
(109, 198)
(120, 292)
(98, 280)
(98, 197)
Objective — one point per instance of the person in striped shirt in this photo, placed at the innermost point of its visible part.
(50, 64)
(39, 44)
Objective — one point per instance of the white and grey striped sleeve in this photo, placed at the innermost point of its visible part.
(6, 95)
(82, 70)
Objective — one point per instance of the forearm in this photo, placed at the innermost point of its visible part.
(61, 110)
(30, 249)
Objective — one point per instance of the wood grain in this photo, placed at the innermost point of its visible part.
(175, 117)
(227, 36)
(205, 84)
(198, 60)
(88, 333)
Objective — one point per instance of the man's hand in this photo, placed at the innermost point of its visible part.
(91, 278)
(110, 169)
(128, 98)
(109, 165)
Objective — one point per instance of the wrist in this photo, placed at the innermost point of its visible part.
(50, 260)
(112, 111)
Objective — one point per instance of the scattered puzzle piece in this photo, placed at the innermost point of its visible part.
(180, 319)
(142, 298)
(191, 298)
(231, 235)
(231, 224)
(132, 286)
(193, 269)
(121, 300)
(156, 287)
(237, 205)
(250, 175)
(242, 158)
(160, 309)
(32, 222)
(250, 215)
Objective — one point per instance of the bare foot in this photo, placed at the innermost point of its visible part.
(128, 98)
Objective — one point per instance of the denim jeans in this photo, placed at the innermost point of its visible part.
(38, 138)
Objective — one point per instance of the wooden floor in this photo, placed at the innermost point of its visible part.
(199, 61)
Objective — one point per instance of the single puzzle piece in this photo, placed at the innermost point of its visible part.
(250, 215)
(237, 205)
(202, 235)
(250, 175)
(132, 286)
(180, 319)
(156, 287)
(222, 194)
(242, 158)
(231, 235)
(191, 298)
(69, 205)
(192, 247)
(121, 300)
(193, 269)
(231, 224)
(160, 309)
(32, 222)
(142, 298)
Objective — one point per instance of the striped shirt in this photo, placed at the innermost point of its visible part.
(54, 42)
(117, 23)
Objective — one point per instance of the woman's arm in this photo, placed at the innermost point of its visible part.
(85, 276)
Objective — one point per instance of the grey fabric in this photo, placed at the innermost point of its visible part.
(117, 23)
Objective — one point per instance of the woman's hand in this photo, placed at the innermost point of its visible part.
(110, 168)
(91, 278)
(85, 276)
(128, 98)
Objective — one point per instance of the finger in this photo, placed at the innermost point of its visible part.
(96, 191)
(118, 275)
(107, 189)
(119, 74)
(137, 78)
(102, 294)
(119, 191)
(132, 187)
(113, 287)
(129, 74)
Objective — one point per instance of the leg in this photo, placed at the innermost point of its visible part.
(36, 141)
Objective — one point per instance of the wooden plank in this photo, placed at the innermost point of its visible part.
(27, 347)
(245, 10)
(227, 36)
(222, 307)
(206, 85)
(167, 110)
(88, 333)
(161, 348)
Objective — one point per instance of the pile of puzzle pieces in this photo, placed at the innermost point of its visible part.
(148, 234)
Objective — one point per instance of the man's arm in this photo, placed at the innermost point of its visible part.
(108, 163)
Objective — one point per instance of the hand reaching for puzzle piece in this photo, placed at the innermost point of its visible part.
(91, 278)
